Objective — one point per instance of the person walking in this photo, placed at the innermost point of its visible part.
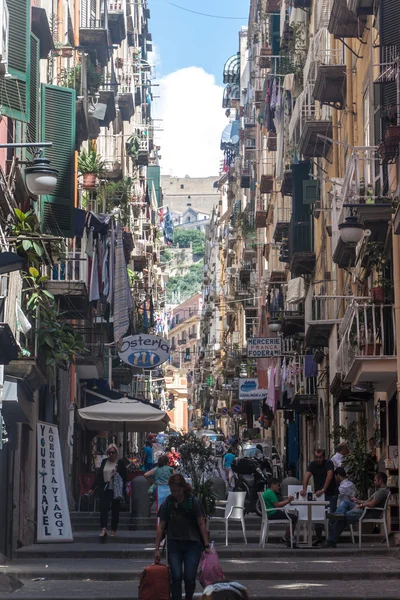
(148, 456)
(322, 471)
(227, 464)
(159, 475)
(109, 484)
(182, 519)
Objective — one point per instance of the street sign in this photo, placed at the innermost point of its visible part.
(236, 409)
(264, 347)
(224, 411)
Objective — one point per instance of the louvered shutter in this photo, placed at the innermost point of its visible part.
(32, 133)
(58, 125)
(15, 92)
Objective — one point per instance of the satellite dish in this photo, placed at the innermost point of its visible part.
(235, 139)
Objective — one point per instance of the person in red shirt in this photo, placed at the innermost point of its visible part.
(173, 458)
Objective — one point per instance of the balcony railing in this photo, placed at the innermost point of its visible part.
(92, 20)
(94, 340)
(74, 268)
(367, 330)
(297, 373)
(308, 122)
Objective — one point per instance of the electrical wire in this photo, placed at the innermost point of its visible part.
(195, 12)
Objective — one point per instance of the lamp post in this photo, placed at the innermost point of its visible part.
(351, 231)
(41, 178)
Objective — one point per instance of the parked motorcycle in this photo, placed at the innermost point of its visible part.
(251, 475)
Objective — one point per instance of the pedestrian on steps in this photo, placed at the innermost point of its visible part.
(182, 519)
(159, 475)
(109, 484)
(226, 590)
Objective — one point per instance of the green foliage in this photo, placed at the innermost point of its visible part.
(197, 461)
(26, 225)
(183, 237)
(57, 339)
(133, 146)
(188, 284)
(72, 78)
(117, 195)
(359, 465)
(90, 162)
(166, 255)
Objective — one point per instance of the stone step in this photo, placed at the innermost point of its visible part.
(121, 550)
(127, 590)
(293, 569)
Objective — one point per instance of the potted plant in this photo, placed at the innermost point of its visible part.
(90, 166)
(119, 62)
(376, 262)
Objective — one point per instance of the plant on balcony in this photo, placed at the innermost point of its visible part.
(133, 146)
(377, 262)
(359, 465)
(119, 63)
(90, 166)
(72, 78)
(117, 196)
(58, 342)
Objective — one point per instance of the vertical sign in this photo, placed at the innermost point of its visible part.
(53, 520)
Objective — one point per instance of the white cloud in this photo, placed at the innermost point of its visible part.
(190, 107)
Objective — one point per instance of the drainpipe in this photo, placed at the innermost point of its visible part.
(396, 282)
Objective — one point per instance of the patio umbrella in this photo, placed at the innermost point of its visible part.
(124, 414)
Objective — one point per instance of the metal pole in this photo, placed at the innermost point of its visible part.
(27, 145)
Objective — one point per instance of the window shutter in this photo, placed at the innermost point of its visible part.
(58, 126)
(15, 92)
(32, 134)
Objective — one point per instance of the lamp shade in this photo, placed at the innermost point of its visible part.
(351, 231)
(275, 325)
(41, 179)
(10, 261)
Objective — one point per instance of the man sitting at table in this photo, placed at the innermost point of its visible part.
(350, 510)
(347, 489)
(272, 502)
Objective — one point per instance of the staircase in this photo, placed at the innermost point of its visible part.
(87, 569)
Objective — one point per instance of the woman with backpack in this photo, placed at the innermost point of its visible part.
(110, 483)
(182, 519)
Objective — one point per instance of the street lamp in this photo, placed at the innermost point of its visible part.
(275, 325)
(41, 178)
(351, 231)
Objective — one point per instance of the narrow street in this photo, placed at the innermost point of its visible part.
(88, 570)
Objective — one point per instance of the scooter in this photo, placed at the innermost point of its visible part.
(251, 476)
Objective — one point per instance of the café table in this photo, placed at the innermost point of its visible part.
(309, 504)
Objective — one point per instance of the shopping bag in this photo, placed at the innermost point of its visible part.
(210, 568)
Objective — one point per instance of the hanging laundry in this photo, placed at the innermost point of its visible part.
(121, 300)
(94, 290)
(310, 366)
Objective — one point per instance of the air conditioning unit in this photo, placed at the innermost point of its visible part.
(4, 28)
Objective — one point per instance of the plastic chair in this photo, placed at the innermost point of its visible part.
(234, 510)
(86, 480)
(379, 520)
(265, 522)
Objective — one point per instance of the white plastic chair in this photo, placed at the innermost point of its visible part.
(233, 509)
(265, 522)
(381, 519)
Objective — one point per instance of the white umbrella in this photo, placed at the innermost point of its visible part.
(124, 414)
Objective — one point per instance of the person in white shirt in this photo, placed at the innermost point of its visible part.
(347, 489)
(342, 450)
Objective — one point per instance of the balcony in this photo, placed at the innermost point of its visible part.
(276, 269)
(301, 245)
(192, 336)
(182, 341)
(325, 66)
(343, 23)
(286, 186)
(116, 21)
(105, 107)
(305, 398)
(282, 216)
(94, 33)
(68, 282)
(367, 352)
(358, 194)
(91, 365)
(321, 315)
(126, 91)
(308, 123)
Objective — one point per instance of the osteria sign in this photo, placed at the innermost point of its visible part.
(144, 351)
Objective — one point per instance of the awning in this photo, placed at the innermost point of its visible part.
(231, 135)
(124, 414)
(232, 69)
(11, 407)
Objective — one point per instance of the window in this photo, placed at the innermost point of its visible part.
(182, 186)
(205, 217)
(198, 228)
(187, 219)
(173, 342)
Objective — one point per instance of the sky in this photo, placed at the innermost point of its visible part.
(190, 51)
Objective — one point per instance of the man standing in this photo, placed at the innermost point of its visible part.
(322, 471)
(350, 510)
(342, 450)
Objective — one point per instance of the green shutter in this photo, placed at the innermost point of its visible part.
(32, 129)
(58, 125)
(310, 191)
(15, 92)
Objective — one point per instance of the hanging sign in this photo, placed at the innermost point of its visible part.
(264, 347)
(248, 390)
(144, 351)
(53, 519)
(224, 410)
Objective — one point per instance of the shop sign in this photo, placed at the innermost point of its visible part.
(248, 390)
(144, 351)
(53, 519)
(264, 347)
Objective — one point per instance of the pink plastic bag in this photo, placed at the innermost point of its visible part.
(210, 569)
